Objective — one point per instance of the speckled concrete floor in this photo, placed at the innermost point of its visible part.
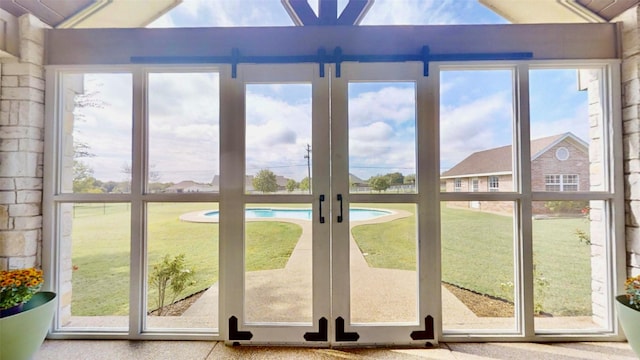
(204, 350)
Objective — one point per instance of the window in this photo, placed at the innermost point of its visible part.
(561, 182)
(562, 154)
(97, 202)
(457, 185)
(475, 185)
(494, 183)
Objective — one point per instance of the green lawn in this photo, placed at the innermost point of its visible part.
(477, 254)
(101, 250)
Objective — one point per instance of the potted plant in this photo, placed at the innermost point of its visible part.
(25, 313)
(628, 307)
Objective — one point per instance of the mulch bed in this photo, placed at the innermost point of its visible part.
(482, 305)
(180, 306)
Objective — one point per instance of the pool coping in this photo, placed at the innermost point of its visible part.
(200, 216)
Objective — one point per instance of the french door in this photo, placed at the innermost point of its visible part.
(329, 223)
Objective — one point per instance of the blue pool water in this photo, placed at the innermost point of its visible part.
(355, 214)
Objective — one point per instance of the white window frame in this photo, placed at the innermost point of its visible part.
(562, 182)
(457, 184)
(523, 196)
(138, 198)
(493, 183)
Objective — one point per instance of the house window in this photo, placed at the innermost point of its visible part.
(566, 182)
(475, 187)
(457, 185)
(494, 183)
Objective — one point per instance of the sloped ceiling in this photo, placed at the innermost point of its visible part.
(559, 11)
(91, 13)
(139, 13)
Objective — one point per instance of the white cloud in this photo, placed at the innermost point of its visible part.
(372, 132)
(389, 103)
(410, 12)
(225, 13)
(472, 126)
(578, 124)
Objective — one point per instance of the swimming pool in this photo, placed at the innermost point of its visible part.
(355, 214)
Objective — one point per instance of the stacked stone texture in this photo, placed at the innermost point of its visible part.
(630, 78)
(21, 149)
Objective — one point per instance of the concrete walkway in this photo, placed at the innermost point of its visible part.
(285, 295)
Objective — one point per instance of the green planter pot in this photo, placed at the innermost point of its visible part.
(629, 319)
(22, 334)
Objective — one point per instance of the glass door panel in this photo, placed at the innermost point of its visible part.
(278, 263)
(378, 249)
(382, 137)
(282, 194)
(278, 138)
(383, 247)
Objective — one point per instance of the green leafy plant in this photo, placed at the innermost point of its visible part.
(18, 286)
(584, 236)
(541, 284)
(170, 276)
(632, 290)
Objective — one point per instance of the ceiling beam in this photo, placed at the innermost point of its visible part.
(303, 15)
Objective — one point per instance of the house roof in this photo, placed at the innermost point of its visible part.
(499, 160)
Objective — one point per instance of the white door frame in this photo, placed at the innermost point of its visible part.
(330, 250)
(425, 198)
(233, 204)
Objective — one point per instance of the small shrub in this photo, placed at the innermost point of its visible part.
(170, 276)
(540, 289)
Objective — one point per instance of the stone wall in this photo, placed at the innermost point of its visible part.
(630, 78)
(21, 148)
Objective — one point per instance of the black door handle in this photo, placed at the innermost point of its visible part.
(321, 217)
(340, 216)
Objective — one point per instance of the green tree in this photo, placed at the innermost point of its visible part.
(395, 178)
(265, 181)
(379, 183)
(304, 184)
(291, 185)
(83, 180)
(410, 179)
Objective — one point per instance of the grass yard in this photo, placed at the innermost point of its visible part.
(101, 250)
(477, 254)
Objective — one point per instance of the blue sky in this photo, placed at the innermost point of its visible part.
(476, 107)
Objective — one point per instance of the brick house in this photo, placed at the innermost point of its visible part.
(558, 163)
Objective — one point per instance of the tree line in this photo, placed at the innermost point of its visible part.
(266, 181)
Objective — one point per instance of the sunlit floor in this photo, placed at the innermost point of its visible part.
(204, 350)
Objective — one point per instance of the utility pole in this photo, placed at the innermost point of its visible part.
(308, 157)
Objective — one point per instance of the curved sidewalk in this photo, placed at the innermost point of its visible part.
(285, 295)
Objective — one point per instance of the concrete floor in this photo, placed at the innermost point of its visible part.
(205, 350)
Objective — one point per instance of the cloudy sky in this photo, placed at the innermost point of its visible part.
(476, 106)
